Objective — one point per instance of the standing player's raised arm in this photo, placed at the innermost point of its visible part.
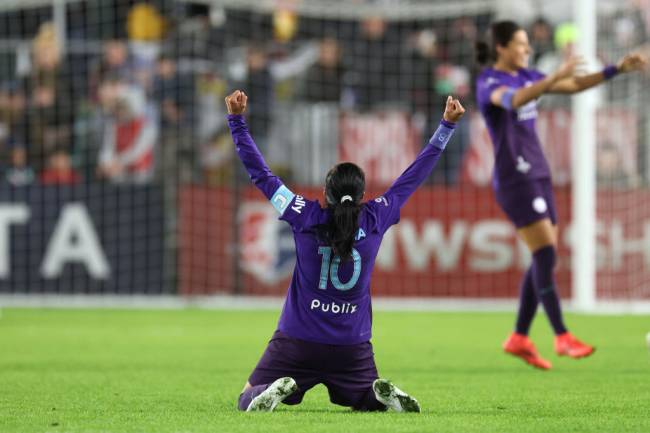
(512, 99)
(247, 150)
(417, 172)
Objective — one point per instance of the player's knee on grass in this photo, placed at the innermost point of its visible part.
(248, 394)
(295, 398)
(359, 401)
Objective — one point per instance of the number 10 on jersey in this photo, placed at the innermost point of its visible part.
(333, 270)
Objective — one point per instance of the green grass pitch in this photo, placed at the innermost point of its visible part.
(182, 370)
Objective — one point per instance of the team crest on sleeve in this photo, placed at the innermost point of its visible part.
(281, 199)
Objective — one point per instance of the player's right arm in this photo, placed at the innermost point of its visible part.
(510, 98)
(270, 185)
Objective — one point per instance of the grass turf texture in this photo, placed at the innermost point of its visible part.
(181, 371)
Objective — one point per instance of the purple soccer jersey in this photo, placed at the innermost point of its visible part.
(328, 301)
(518, 155)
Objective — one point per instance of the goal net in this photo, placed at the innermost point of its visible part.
(119, 175)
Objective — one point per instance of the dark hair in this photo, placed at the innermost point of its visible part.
(344, 187)
(501, 34)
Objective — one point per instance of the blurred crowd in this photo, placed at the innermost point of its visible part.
(145, 103)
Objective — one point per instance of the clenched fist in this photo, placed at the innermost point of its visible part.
(632, 62)
(236, 102)
(453, 111)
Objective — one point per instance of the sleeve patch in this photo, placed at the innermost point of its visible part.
(382, 199)
(441, 137)
(281, 199)
(506, 98)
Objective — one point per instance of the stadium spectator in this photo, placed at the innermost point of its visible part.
(460, 39)
(175, 96)
(12, 119)
(373, 63)
(174, 93)
(610, 167)
(324, 80)
(200, 33)
(59, 170)
(259, 84)
(50, 102)
(541, 38)
(113, 62)
(130, 135)
(625, 31)
(424, 48)
(146, 28)
(18, 172)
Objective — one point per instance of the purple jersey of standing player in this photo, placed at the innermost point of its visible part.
(328, 301)
(518, 155)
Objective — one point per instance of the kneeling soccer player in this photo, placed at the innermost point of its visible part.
(324, 331)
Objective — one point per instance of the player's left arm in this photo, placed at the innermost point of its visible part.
(270, 185)
(578, 83)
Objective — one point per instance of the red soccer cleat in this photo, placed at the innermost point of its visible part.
(567, 345)
(521, 346)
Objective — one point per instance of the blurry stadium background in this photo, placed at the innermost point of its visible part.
(118, 176)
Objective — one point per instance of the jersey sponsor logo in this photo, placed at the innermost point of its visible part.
(539, 204)
(527, 112)
(523, 166)
(298, 204)
(281, 199)
(382, 199)
(333, 307)
(267, 249)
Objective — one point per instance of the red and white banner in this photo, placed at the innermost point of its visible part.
(449, 243)
(383, 143)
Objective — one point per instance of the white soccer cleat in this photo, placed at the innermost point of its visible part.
(273, 395)
(393, 397)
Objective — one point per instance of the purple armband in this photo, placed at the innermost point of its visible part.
(442, 135)
(610, 71)
(506, 98)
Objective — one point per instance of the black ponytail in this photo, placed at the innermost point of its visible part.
(500, 33)
(344, 188)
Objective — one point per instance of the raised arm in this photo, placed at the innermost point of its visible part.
(578, 83)
(417, 172)
(259, 172)
(511, 99)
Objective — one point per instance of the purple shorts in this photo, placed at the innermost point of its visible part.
(346, 371)
(528, 202)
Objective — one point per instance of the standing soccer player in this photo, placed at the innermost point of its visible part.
(323, 335)
(506, 92)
